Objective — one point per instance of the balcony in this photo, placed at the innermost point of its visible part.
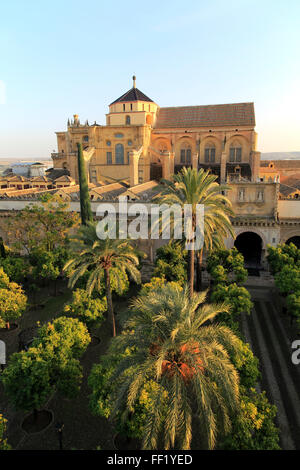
(58, 156)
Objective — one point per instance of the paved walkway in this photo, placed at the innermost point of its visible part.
(270, 336)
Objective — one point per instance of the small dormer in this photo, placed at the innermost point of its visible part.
(132, 108)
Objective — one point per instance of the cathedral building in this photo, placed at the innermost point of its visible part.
(142, 142)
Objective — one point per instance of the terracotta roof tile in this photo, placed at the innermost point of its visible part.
(280, 164)
(238, 114)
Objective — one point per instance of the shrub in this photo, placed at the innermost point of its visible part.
(253, 427)
(247, 365)
(239, 300)
(16, 267)
(52, 363)
(13, 301)
(171, 263)
(156, 282)
(231, 262)
(87, 309)
(3, 442)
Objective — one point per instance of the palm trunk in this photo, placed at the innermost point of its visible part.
(199, 270)
(191, 270)
(110, 308)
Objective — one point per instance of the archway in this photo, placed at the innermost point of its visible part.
(295, 240)
(250, 245)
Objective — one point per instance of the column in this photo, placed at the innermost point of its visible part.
(195, 161)
(223, 167)
(134, 167)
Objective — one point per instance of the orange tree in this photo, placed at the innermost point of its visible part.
(51, 364)
(13, 301)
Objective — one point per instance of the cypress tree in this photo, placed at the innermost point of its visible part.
(85, 205)
(2, 249)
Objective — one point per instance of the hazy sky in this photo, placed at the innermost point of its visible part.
(58, 58)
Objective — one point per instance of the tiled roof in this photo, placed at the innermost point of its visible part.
(132, 95)
(54, 173)
(17, 178)
(143, 191)
(238, 114)
(280, 164)
(108, 188)
(44, 179)
(63, 179)
(286, 189)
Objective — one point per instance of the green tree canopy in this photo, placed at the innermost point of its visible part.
(239, 300)
(221, 263)
(171, 262)
(27, 380)
(253, 426)
(13, 301)
(45, 224)
(87, 309)
(51, 364)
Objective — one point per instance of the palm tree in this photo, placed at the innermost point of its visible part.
(194, 187)
(174, 343)
(102, 260)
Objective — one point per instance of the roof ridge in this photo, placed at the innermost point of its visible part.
(206, 105)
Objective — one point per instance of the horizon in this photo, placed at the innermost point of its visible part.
(50, 73)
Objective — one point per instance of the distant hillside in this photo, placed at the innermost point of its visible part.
(280, 156)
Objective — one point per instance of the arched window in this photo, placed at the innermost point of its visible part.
(119, 150)
(185, 154)
(210, 153)
(127, 120)
(235, 152)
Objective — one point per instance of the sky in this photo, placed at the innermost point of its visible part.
(59, 58)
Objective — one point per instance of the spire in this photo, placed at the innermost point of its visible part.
(134, 80)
